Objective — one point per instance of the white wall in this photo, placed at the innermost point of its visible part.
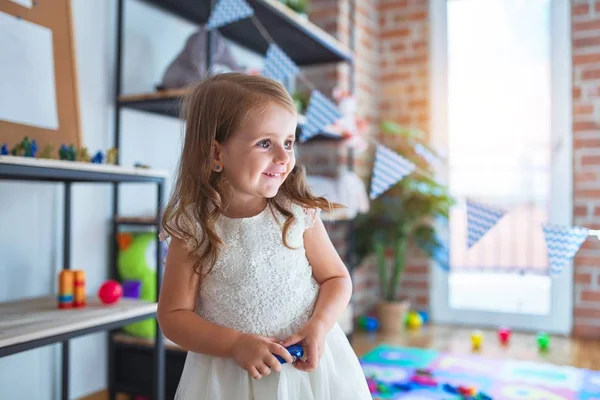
(31, 213)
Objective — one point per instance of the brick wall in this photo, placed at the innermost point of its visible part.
(586, 162)
(399, 85)
(404, 68)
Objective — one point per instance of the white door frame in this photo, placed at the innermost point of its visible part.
(559, 321)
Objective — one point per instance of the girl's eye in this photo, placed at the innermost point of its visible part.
(289, 144)
(264, 144)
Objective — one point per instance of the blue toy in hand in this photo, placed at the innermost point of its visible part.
(295, 350)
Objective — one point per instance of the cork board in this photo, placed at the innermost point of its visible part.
(54, 18)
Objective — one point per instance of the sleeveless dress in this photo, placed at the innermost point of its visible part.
(260, 286)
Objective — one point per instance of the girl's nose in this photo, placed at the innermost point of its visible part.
(282, 156)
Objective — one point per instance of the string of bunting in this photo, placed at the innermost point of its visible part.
(389, 167)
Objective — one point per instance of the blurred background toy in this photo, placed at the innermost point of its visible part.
(368, 323)
(476, 339)
(110, 292)
(79, 288)
(65, 289)
(543, 341)
(504, 334)
(413, 320)
(98, 158)
(136, 261)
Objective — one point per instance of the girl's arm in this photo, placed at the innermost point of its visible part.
(329, 272)
(176, 304)
(334, 295)
(180, 323)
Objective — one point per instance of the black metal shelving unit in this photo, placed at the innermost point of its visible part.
(306, 44)
(67, 324)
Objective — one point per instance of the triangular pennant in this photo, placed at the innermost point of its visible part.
(480, 219)
(228, 11)
(278, 66)
(389, 168)
(562, 243)
(320, 112)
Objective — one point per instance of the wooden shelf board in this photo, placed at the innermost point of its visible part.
(38, 318)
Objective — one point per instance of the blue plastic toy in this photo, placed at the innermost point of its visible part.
(4, 150)
(295, 350)
(98, 158)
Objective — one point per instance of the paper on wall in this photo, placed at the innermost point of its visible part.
(27, 83)
(24, 3)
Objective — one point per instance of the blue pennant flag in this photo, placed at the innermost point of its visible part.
(278, 66)
(320, 112)
(562, 243)
(228, 11)
(389, 168)
(480, 219)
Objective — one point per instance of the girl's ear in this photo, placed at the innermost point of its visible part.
(217, 157)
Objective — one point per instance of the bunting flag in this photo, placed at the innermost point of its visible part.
(562, 243)
(441, 255)
(480, 219)
(320, 112)
(228, 11)
(389, 168)
(278, 66)
(427, 155)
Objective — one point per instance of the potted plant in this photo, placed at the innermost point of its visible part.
(405, 215)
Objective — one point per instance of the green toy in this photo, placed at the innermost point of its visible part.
(543, 341)
(137, 261)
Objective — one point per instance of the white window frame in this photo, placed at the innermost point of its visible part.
(560, 319)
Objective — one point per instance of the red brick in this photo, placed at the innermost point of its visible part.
(585, 177)
(583, 109)
(582, 59)
(396, 33)
(583, 278)
(586, 143)
(576, 93)
(588, 193)
(586, 331)
(590, 295)
(392, 5)
(586, 312)
(590, 160)
(587, 42)
(581, 211)
(583, 26)
(585, 126)
(580, 9)
(587, 260)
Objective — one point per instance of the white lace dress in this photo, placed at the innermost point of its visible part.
(260, 286)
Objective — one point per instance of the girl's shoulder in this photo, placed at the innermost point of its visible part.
(306, 216)
(182, 224)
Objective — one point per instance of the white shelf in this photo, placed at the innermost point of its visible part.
(16, 167)
(38, 321)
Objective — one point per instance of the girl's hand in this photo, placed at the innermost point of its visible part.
(312, 338)
(254, 353)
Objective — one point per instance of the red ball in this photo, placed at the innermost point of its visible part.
(110, 292)
(504, 335)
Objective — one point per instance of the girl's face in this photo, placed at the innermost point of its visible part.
(257, 159)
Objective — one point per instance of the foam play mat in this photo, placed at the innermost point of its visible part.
(420, 374)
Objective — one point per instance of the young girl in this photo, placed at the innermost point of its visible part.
(250, 268)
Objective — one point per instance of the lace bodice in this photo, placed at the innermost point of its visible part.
(258, 285)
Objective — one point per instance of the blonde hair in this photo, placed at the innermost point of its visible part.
(214, 109)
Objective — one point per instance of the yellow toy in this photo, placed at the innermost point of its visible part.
(413, 320)
(476, 339)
